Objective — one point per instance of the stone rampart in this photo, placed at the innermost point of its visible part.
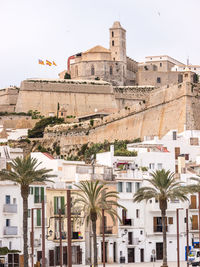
(175, 107)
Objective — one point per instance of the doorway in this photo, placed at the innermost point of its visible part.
(114, 252)
(131, 255)
(159, 251)
(106, 249)
(141, 255)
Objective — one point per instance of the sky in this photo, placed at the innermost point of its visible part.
(55, 29)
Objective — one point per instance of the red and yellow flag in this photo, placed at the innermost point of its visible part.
(48, 63)
(40, 61)
(54, 63)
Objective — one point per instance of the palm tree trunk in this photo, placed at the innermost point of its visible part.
(164, 230)
(24, 194)
(94, 242)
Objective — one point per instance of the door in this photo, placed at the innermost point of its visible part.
(193, 200)
(141, 255)
(194, 222)
(131, 255)
(114, 252)
(159, 251)
(106, 248)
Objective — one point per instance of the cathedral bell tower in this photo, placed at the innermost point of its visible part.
(118, 42)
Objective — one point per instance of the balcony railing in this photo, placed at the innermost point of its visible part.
(10, 208)
(158, 228)
(57, 235)
(107, 229)
(127, 222)
(10, 230)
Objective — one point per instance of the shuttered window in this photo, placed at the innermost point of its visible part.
(38, 194)
(194, 222)
(193, 200)
(59, 203)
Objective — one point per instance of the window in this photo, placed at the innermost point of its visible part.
(137, 186)
(38, 194)
(157, 224)
(112, 34)
(160, 166)
(152, 166)
(14, 200)
(160, 64)
(59, 203)
(130, 238)
(113, 43)
(120, 187)
(174, 135)
(10, 245)
(137, 213)
(7, 222)
(141, 232)
(158, 80)
(170, 220)
(29, 213)
(128, 187)
(92, 70)
(7, 199)
(111, 70)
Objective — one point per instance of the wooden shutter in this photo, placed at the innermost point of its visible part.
(62, 205)
(123, 216)
(170, 220)
(155, 224)
(42, 193)
(57, 255)
(55, 205)
(177, 152)
(194, 222)
(51, 257)
(38, 217)
(39, 255)
(193, 200)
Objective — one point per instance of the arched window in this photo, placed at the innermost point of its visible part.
(92, 70)
(113, 43)
(112, 34)
(111, 70)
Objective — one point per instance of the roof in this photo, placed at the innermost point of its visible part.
(98, 49)
(48, 155)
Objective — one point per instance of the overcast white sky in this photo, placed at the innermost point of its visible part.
(55, 29)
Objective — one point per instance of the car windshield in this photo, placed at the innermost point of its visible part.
(192, 253)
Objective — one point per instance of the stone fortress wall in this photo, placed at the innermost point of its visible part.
(77, 98)
(174, 107)
(8, 99)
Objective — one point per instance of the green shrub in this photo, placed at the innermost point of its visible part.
(91, 122)
(125, 153)
(67, 76)
(38, 129)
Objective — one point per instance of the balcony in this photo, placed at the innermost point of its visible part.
(158, 228)
(127, 222)
(10, 208)
(108, 230)
(10, 230)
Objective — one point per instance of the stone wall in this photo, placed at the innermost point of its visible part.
(77, 98)
(175, 107)
(8, 99)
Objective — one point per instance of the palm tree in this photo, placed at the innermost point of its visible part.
(164, 187)
(24, 171)
(93, 197)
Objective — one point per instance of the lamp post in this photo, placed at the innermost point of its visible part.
(187, 235)
(43, 234)
(60, 236)
(177, 221)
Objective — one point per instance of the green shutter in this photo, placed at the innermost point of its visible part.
(42, 193)
(55, 205)
(36, 195)
(63, 205)
(38, 217)
(31, 190)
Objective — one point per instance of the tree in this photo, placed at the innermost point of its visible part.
(67, 76)
(93, 197)
(163, 187)
(25, 171)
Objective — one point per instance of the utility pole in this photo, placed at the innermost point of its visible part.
(177, 221)
(103, 235)
(69, 229)
(187, 234)
(32, 236)
(43, 234)
(60, 235)
(199, 217)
